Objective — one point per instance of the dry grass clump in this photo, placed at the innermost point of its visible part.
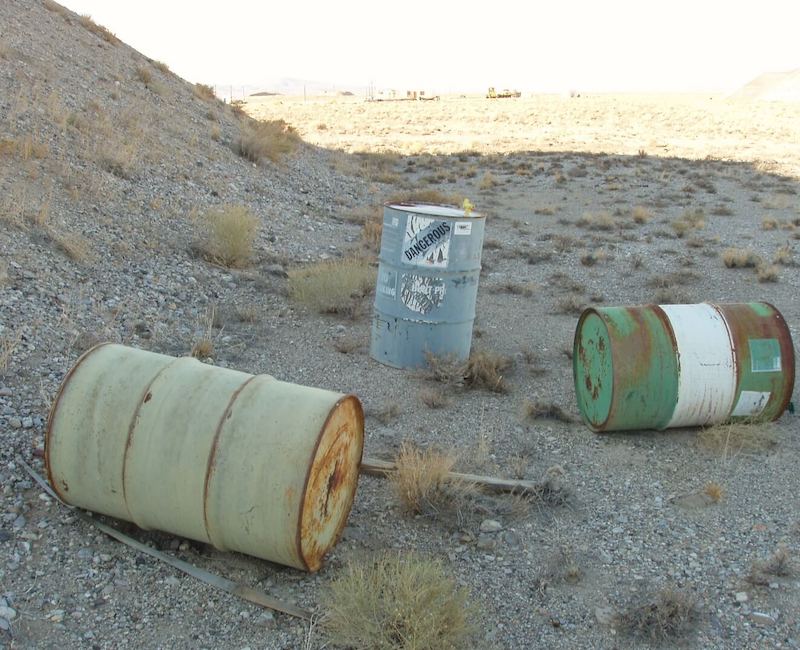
(270, 140)
(597, 221)
(230, 233)
(387, 413)
(537, 410)
(560, 566)
(483, 369)
(203, 348)
(50, 5)
(740, 258)
(372, 232)
(144, 74)
(737, 437)
(75, 247)
(779, 565)
(641, 214)
(333, 286)
(590, 258)
(348, 344)
(667, 617)
(515, 288)
(423, 485)
(769, 224)
(427, 196)
(434, 398)
(767, 273)
(714, 491)
(99, 30)
(488, 181)
(398, 602)
(204, 92)
(690, 220)
(162, 67)
(572, 305)
(784, 256)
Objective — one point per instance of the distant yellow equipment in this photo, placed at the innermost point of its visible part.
(505, 93)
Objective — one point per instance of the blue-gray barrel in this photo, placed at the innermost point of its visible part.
(430, 261)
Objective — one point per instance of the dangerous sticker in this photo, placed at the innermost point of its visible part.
(426, 242)
(422, 294)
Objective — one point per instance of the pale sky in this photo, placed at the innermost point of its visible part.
(447, 46)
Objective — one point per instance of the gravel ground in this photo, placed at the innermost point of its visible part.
(637, 518)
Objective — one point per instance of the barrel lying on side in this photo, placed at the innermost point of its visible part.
(430, 262)
(656, 367)
(243, 462)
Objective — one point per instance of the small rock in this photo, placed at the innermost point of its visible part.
(485, 542)
(514, 540)
(491, 526)
(741, 597)
(5, 392)
(56, 616)
(277, 270)
(266, 619)
(5, 626)
(19, 522)
(760, 618)
(8, 613)
(604, 615)
(172, 581)
(27, 422)
(15, 423)
(85, 554)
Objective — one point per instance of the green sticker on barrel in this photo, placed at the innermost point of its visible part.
(765, 355)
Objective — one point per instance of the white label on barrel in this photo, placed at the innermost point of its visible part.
(387, 283)
(395, 222)
(426, 242)
(463, 228)
(751, 403)
(421, 293)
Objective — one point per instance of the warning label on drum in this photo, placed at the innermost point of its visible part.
(420, 293)
(426, 242)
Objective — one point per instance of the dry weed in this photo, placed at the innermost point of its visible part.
(641, 214)
(271, 141)
(204, 92)
(538, 410)
(398, 602)
(9, 342)
(348, 345)
(767, 273)
(769, 224)
(423, 485)
(386, 414)
(784, 256)
(427, 196)
(560, 566)
(739, 258)
(735, 437)
(515, 289)
(434, 398)
(779, 565)
(597, 221)
(75, 247)
(333, 286)
(714, 491)
(98, 30)
(668, 616)
(229, 235)
(690, 220)
(590, 258)
(488, 182)
(483, 369)
(572, 305)
(372, 232)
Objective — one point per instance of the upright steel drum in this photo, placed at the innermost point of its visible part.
(430, 261)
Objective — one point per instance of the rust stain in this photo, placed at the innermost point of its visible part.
(148, 397)
(131, 427)
(212, 455)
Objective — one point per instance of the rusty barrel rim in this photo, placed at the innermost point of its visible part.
(54, 412)
(625, 378)
(424, 208)
(335, 444)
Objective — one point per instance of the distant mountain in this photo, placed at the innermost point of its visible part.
(773, 86)
(287, 86)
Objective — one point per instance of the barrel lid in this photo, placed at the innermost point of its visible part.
(593, 369)
(434, 210)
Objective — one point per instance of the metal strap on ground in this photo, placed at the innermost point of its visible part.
(242, 591)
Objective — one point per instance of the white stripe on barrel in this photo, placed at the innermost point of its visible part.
(707, 365)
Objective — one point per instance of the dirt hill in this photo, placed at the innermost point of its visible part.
(773, 86)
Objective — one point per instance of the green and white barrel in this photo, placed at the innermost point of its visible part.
(663, 366)
(428, 271)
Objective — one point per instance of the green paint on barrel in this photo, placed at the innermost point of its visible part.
(764, 360)
(625, 368)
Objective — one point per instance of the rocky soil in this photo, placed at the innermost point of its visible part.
(107, 164)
